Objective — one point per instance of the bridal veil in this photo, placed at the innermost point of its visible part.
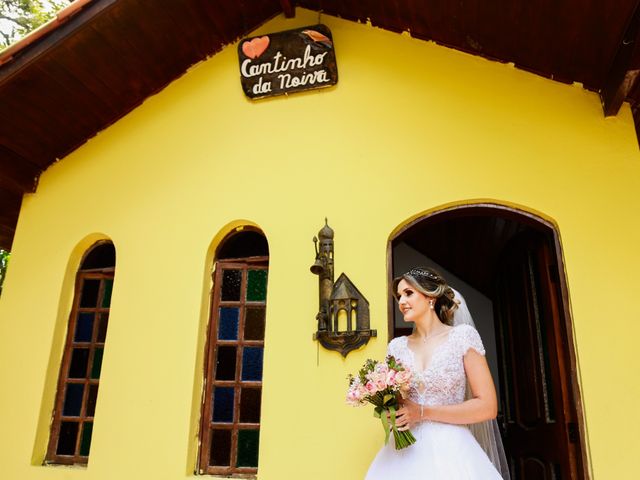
(486, 433)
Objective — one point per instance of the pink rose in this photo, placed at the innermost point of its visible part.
(370, 387)
(353, 398)
(391, 377)
(403, 378)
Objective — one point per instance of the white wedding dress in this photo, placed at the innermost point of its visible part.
(442, 451)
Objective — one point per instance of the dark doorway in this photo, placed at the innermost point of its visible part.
(508, 265)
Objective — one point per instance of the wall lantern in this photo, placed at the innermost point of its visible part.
(339, 300)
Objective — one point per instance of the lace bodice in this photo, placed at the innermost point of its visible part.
(444, 380)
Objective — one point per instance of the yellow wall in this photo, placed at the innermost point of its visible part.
(410, 126)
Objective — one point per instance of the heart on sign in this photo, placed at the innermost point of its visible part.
(256, 47)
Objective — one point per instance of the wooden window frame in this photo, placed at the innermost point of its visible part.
(52, 457)
(206, 425)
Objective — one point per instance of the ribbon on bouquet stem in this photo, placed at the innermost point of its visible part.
(388, 404)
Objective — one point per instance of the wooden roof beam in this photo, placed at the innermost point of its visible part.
(625, 68)
(17, 174)
(42, 40)
(9, 211)
(288, 8)
(6, 237)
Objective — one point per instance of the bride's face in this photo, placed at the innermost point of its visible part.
(413, 304)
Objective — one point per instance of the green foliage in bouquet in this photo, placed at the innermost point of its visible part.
(383, 384)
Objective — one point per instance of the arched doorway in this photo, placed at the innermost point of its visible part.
(508, 265)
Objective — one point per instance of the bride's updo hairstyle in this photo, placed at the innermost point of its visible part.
(431, 284)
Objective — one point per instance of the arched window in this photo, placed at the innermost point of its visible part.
(79, 378)
(230, 427)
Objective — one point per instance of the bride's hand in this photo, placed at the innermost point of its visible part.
(407, 415)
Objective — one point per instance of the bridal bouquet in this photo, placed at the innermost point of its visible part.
(382, 383)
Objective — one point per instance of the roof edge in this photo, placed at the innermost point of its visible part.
(61, 17)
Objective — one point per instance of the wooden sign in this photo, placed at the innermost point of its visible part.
(286, 62)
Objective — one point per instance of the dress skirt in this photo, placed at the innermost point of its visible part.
(441, 452)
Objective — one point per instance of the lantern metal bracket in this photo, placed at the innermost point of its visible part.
(339, 302)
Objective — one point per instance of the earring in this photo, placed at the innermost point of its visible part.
(431, 304)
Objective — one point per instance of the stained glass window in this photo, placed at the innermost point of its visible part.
(254, 323)
(257, 286)
(72, 426)
(252, 363)
(223, 403)
(228, 324)
(231, 416)
(84, 327)
(231, 284)
(73, 400)
(248, 448)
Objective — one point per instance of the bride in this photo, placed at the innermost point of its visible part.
(446, 355)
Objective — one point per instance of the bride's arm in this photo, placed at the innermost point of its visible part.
(483, 405)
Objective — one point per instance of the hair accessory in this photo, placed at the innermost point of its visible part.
(421, 272)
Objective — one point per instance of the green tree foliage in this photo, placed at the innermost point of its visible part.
(19, 17)
(4, 261)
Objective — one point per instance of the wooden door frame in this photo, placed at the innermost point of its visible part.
(546, 227)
